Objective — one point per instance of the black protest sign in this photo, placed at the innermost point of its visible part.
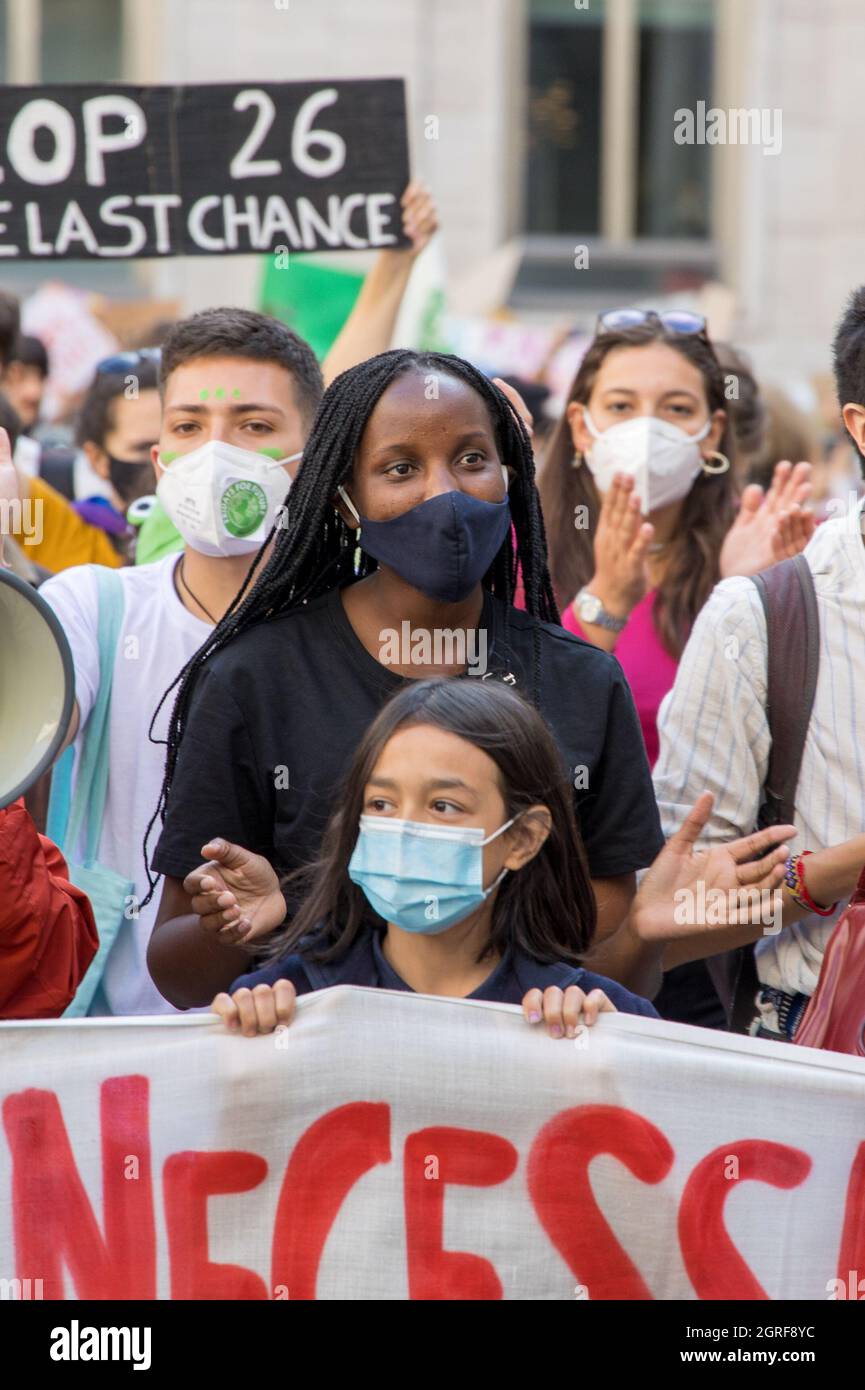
(115, 172)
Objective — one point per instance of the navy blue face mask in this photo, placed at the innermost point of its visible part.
(443, 546)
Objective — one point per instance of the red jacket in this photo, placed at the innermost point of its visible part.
(47, 933)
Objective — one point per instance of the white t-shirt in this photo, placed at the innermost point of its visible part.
(157, 638)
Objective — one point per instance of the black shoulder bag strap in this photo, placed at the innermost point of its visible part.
(793, 657)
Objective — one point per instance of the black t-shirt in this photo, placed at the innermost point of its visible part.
(277, 716)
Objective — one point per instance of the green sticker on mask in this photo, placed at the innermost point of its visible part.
(243, 507)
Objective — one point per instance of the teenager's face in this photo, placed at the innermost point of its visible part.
(414, 448)
(133, 428)
(232, 399)
(24, 386)
(427, 774)
(652, 380)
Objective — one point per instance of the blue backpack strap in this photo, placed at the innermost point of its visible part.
(91, 785)
(60, 799)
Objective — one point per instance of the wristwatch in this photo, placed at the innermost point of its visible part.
(589, 609)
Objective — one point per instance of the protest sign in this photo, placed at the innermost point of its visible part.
(119, 171)
(391, 1146)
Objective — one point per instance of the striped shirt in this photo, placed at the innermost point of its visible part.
(715, 736)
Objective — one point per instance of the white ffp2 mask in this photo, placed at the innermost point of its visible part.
(223, 500)
(662, 459)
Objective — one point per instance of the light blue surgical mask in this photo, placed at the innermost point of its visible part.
(423, 878)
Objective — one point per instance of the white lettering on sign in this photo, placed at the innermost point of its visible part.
(72, 193)
(303, 137)
(277, 220)
(75, 227)
(36, 244)
(113, 217)
(41, 114)
(243, 166)
(6, 250)
(353, 201)
(377, 218)
(195, 223)
(98, 143)
(306, 229)
(160, 202)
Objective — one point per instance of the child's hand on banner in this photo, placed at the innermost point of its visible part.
(258, 1010)
(565, 1011)
(236, 895)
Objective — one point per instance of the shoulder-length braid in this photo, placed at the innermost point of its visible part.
(707, 515)
(313, 550)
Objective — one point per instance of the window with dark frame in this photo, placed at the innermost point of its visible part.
(563, 168)
(675, 43)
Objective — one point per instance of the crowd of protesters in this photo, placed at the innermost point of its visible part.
(380, 689)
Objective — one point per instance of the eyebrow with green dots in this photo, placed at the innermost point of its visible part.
(220, 394)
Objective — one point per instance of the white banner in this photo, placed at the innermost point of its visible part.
(392, 1146)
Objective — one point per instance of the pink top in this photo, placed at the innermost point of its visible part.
(648, 666)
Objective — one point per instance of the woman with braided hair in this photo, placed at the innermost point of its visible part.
(395, 558)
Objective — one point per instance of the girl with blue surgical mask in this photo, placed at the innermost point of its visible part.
(453, 867)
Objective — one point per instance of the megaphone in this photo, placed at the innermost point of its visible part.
(37, 686)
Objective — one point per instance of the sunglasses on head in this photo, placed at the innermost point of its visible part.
(674, 320)
(127, 361)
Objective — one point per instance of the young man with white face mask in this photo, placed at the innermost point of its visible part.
(239, 392)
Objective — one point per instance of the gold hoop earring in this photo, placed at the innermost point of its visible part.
(722, 466)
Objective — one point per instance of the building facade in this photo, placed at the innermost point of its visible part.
(552, 126)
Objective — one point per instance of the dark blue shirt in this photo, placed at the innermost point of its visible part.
(365, 964)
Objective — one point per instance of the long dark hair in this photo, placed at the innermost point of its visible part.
(707, 514)
(313, 550)
(546, 909)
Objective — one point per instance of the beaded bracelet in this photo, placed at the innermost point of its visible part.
(794, 877)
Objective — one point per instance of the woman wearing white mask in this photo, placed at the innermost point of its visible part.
(640, 498)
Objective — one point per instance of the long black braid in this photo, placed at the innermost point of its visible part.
(314, 551)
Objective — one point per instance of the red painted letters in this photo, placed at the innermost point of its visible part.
(463, 1156)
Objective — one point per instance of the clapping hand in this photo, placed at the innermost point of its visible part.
(772, 527)
(754, 862)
